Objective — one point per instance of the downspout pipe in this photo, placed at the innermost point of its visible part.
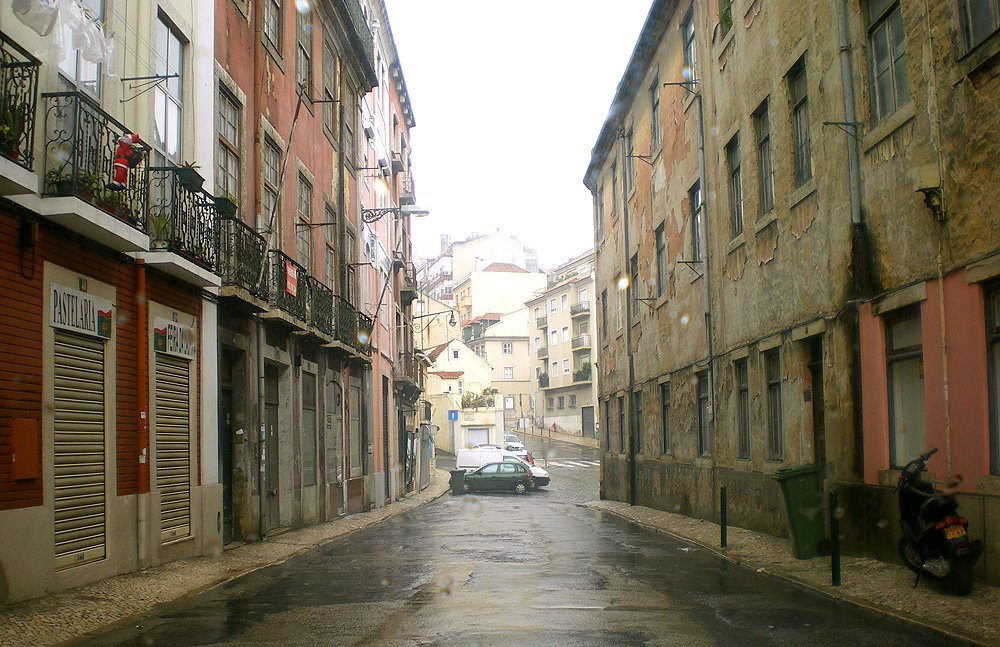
(850, 116)
(262, 428)
(629, 396)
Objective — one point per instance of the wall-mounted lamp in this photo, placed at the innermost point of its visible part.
(451, 320)
(934, 200)
(372, 215)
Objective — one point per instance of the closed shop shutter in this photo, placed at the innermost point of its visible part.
(79, 453)
(478, 436)
(173, 446)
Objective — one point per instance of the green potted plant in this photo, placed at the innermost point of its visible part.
(12, 120)
(188, 176)
(114, 203)
(89, 184)
(159, 229)
(226, 205)
(60, 182)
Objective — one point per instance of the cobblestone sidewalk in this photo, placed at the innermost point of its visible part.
(886, 588)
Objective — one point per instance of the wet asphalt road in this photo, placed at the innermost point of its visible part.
(502, 569)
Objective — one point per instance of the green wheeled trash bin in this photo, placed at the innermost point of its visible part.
(802, 486)
(457, 481)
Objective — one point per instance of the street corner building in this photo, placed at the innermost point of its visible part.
(798, 268)
(204, 295)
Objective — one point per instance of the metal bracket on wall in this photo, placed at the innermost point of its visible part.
(147, 83)
(691, 265)
(841, 125)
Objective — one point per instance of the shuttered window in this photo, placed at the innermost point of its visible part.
(79, 454)
(173, 446)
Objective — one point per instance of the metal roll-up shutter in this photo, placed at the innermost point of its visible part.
(173, 446)
(79, 453)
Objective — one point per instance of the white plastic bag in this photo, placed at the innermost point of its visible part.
(39, 15)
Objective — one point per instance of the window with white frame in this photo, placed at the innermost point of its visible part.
(270, 163)
(538, 343)
(552, 306)
(303, 234)
(81, 73)
(272, 23)
(694, 205)
(508, 372)
(454, 353)
(562, 402)
(572, 401)
(507, 348)
(690, 54)
(565, 333)
(168, 96)
(555, 369)
(553, 338)
(565, 367)
(564, 301)
(303, 51)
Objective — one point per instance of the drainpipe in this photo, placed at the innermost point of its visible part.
(850, 118)
(142, 398)
(629, 406)
(258, 90)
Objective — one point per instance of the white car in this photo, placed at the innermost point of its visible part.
(541, 477)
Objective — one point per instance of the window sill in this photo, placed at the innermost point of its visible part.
(889, 125)
(736, 243)
(801, 193)
(762, 222)
(275, 55)
(720, 50)
(977, 57)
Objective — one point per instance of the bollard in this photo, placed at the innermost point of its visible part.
(723, 515)
(834, 540)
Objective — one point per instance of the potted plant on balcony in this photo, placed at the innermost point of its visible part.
(188, 176)
(114, 203)
(88, 185)
(226, 205)
(159, 229)
(12, 120)
(60, 182)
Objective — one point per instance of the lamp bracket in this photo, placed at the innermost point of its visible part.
(691, 265)
(686, 85)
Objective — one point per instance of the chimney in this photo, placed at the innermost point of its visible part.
(445, 241)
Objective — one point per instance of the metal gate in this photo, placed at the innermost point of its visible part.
(173, 446)
(78, 421)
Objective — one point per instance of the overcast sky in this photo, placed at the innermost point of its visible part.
(509, 98)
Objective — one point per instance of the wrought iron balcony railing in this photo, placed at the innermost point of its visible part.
(408, 285)
(80, 144)
(406, 367)
(286, 285)
(345, 321)
(18, 101)
(582, 374)
(320, 306)
(182, 219)
(579, 308)
(242, 257)
(542, 322)
(365, 323)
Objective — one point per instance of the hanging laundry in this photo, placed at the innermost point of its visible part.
(39, 15)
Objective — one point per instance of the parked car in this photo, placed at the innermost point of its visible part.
(523, 454)
(541, 477)
(500, 477)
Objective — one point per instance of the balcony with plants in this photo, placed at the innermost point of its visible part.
(543, 381)
(183, 218)
(582, 374)
(18, 103)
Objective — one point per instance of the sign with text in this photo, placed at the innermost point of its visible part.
(80, 312)
(176, 339)
(291, 279)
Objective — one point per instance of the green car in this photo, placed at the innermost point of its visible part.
(499, 477)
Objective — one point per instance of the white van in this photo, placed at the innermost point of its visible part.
(472, 459)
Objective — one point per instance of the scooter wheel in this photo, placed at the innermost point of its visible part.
(909, 557)
(961, 577)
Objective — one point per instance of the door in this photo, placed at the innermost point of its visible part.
(508, 476)
(226, 456)
(477, 436)
(270, 493)
(818, 402)
(587, 422)
(173, 446)
(79, 455)
(334, 445)
(386, 468)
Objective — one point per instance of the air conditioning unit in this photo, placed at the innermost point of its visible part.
(369, 127)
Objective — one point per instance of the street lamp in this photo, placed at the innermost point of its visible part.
(451, 320)
(377, 213)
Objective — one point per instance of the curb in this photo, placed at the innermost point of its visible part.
(947, 632)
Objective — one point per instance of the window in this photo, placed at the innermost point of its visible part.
(637, 416)
(634, 282)
(461, 387)
(538, 372)
(887, 52)
(629, 161)
(565, 301)
(79, 72)
(604, 312)
(694, 204)
(349, 255)
(665, 418)
(565, 367)
(599, 225)
(993, 360)
(303, 235)
(536, 313)
(979, 19)
(565, 333)
(552, 306)
(742, 408)
(270, 163)
(538, 343)
(704, 440)
(904, 352)
(618, 310)
(454, 353)
(227, 177)
(555, 368)
(562, 402)
(772, 377)
(550, 403)
(508, 403)
(735, 187)
(272, 23)
(572, 401)
(661, 261)
(581, 295)
(303, 51)
(167, 96)
(621, 423)
(508, 372)
(690, 55)
(726, 15)
(553, 338)
(330, 250)
(765, 163)
(654, 118)
(614, 190)
(331, 89)
(507, 348)
(801, 137)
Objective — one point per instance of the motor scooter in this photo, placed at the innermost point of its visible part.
(935, 538)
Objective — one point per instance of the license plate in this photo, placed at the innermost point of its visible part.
(954, 532)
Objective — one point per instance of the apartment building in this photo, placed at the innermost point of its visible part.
(564, 382)
(502, 340)
(800, 268)
(457, 259)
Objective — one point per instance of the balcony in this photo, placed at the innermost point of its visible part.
(406, 376)
(397, 162)
(542, 322)
(406, 192)
(287, 292)
(408, 285)
(320, 307)
(583, 341)
(365, 323)
(582, 374)
(579, 309)
(345, 324)
(543, 381)
(242, 262)
(18, 104)
(543, 352)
